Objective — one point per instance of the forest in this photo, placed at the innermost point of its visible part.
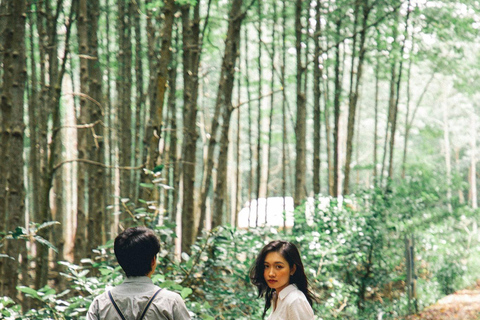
(348, 127)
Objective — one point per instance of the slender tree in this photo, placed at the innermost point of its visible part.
(56, 72)
(224, 97)
(173, 175)
(317, 96)
(300, 124)
(354, 88)
(259, 111)
(95, 139)
(81, 231)
(12, 128)
(191, 61)
(336, 111)
(159, 82)
(124, 91)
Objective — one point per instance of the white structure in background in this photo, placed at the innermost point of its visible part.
(271, 213)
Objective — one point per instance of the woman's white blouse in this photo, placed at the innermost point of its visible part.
(291, 305)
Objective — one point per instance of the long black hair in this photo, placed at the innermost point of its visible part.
(290, 252)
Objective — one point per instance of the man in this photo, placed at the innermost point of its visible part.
(137, 298)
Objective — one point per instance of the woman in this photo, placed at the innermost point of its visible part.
(279, 275)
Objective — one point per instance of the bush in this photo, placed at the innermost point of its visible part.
(352, 249)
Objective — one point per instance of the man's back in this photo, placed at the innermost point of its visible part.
(131, 298)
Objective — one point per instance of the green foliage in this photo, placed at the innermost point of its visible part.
(352, 249)
(21, 233)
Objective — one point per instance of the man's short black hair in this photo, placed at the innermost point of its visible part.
(135, 249)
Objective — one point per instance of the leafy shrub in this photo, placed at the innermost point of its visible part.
(352, 249)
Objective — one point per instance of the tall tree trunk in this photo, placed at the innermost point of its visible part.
(375, 127)
(153, 132)
(272, 104)
(473, 160)
(448, 157)
(124, 89)
(82, 179)
(259, 111)
(55, 76)
(284, 107)
(140, 98)
(173, 154)
(110, 222)
(336, 111)
(95, 140)
(407, 113)
(317, 96)
(12, 205)
(300, 125)
(250, 122)
(191, 60)
(397, 98)
(238, 156)
(44, 39)
(34, 173)
(224, 98)
(354, 91)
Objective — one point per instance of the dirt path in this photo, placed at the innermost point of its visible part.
(462, 305)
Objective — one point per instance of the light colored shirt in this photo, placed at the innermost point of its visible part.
(291, 304)
(132, 296)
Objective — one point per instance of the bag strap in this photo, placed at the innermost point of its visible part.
(144, 310)
(149, 303)
(116, 306)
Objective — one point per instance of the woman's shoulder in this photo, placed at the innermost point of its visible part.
(297, 306)
(294, 294)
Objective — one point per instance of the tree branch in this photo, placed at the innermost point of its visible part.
(96, 164)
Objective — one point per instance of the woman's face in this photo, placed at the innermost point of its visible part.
(277, 271)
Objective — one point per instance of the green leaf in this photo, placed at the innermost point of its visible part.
(186, 292)
(47, 224)
(28, 290)
(6, 256)
(147, 185)
(45, 243)
(19, 231)
(158, 168)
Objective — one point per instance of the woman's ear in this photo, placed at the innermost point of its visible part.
(292, 272)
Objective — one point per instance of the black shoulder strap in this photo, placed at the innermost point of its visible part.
(115, 305)
(149, 303)
(144, 310)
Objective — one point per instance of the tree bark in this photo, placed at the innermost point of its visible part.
(53, 92)
(300, 125)
(317, 96)
(224, 98)
(124, 91)
(354, 91)
(191, 60)
(259, 112)
(448, 157)
(473, 160)
(95, 138)
(154, 127)
(82, 178)
(375, 127)
(396, 96)
(336, 112)
(12, 205)
(173, 174)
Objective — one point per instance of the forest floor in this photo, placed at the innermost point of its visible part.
(462, 305)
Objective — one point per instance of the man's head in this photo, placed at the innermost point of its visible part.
(135, 249)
